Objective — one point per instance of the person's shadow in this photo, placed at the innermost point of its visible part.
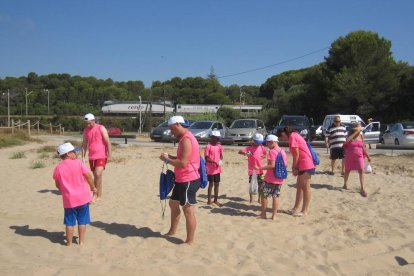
(128, 230)
(55, 192)
(54, 237)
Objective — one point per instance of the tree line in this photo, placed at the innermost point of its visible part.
(359, 76)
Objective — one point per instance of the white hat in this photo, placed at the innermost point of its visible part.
(258, 138)
(178, 119)
(65, 148)
(89, 117)
(216, 133)
(272, 138)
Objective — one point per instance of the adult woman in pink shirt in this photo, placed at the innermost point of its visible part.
(302, 167)
(187, 177)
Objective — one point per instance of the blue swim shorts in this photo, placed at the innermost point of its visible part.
(79, 214)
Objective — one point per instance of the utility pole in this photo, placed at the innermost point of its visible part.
(27, 94)
(47, 90)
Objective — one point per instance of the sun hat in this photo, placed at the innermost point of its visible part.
(258, 138)
(65, 148)
(216, 133)
(178, 119)
(89, 117)
(272, 138)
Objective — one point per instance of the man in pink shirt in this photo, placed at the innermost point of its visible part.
(187, 178)
(96, 141)
(302, 167)
(72, 178)
(214, 156)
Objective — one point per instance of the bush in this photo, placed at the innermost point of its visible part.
(38, 164)
(18, 155)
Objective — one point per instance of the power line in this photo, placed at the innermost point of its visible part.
(275, 64)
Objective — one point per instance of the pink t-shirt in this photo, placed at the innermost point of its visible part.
(69, 173)
(270, 173)
(96, 144)
(305, 161)
(214, 152)
(189, 173)
(256, 158)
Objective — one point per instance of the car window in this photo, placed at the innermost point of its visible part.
(260, 124)
(201, 125)
(215, 126)
(294, 121)
(220, 126)
(165, 124)
(243, 124)
(408, 125)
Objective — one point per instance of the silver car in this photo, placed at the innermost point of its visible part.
(243, 130)
(400, 134)
(202, 129)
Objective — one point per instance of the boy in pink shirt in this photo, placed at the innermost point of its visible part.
(214, 156)
(255, 154)
(272, 185)
(72, 178)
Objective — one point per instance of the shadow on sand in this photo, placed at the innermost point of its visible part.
(128, 230)
(55, 192)
(54, 237)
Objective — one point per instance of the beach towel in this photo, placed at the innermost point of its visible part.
(315, 157)
(280, 167)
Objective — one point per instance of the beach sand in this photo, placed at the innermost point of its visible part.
(345, 234)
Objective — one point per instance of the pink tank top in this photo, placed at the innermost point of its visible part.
(96, 144)
(189, 173)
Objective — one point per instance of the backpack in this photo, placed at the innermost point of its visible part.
(167, 180)
(315, 157)
(203, 173)
(280, 167)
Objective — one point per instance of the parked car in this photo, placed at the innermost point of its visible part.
(156, 133)
(372, 132)
(300, 123)
(242, 130)
(346, 120)
(168, 136)
(114, 131)
(202, 129)
(400, 134)
(384, 128)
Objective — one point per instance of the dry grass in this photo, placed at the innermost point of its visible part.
(17, 155)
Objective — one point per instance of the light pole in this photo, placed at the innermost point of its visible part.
(140, 123)
(8, 107)
(27, 94)
(47, 90)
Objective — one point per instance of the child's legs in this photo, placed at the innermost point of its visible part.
(69, 234)
(307, 193)
(275, 206)
(264, 206)
(216, 191)
(82, 231)
(210, 188)
(299, 194)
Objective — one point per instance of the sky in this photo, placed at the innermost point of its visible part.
(152, 40)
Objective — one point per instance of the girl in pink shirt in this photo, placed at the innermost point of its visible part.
(302, 167)
(214, 156)
(255, 154)
(271, 185)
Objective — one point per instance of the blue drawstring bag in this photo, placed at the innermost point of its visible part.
(203, 173)
(315, 157)
(166, 185)
(280, 167)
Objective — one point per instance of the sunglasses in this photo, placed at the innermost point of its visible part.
(337, 121)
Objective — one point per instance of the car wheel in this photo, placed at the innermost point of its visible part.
(396, 142)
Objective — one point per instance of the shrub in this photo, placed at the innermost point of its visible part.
(18, 155)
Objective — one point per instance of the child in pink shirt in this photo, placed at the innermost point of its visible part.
(72, 178)
(272, 185)
(255, 154)
(214, 156)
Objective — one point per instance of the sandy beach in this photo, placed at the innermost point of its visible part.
(345, 234)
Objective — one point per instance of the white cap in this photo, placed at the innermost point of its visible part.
(65, 148)
(178, 119)
(89, 117)
(258, 138)
(272, 138)
(216, 133)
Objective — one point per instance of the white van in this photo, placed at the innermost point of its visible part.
(346, 120)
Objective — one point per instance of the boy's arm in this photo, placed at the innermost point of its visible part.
(89, 179)
(84, 146)
(57, 185)
(105, 137)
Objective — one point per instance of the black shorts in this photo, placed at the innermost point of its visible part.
(310, 171)
(337, 153)
(186, 192)
(214, 178)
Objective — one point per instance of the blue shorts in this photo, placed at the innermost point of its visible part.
(79, 214)
(310, 171)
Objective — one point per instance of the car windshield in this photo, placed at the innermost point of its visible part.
(408, 125)
(201, 125)
(294, 121)
(243, 124)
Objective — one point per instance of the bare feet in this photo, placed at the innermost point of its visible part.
(274, 218)
(169, 234)
(217, 203)
(262, 216)
(292, 211)
(345, 187)
(209, 202)
(363, 193)
(299, 214)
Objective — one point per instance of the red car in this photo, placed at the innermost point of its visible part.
(114, 131)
